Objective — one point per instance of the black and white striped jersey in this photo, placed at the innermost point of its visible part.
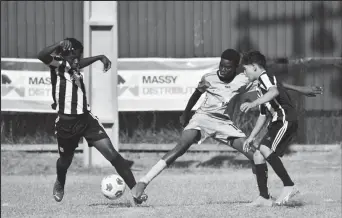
(281, 107)
(68, 93)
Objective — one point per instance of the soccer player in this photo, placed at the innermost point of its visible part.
(272, 97)
(75, 119)
(212, 119)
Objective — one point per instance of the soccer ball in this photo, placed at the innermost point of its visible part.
(113, 186)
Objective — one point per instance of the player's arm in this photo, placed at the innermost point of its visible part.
(184, 118)
(268, 96)
(201, 88)
(310, 91)
(193, 100)
(45, 54)
(84, 62)
(258, 126)
(270, 84)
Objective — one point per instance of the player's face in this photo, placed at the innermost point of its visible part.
(249, 71)
(73, 57)
(227, 69)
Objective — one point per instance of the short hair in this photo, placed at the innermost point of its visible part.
(77, 45)
(254, 57)
(232, 55)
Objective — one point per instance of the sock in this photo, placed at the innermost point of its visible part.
(154, 171)
(61, 172)
(279, 169)
(261, 174)
(254, 170)
(123, 169)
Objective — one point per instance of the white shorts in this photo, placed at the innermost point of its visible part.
(217, 128)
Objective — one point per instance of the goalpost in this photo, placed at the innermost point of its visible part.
(100, 37)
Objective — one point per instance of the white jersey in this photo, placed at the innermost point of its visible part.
(219, 95)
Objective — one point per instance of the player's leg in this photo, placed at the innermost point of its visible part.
(237, 144)
(189, 137)
(273, 147)
(106, 148)
(229, 134)
(97, 137)
(261, 175)
(66, 149)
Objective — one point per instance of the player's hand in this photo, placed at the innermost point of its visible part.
(107, 64)
(312, 91)
(65, 45)
(247, 144)
(184, 119)
(54, 106)
(245, 107)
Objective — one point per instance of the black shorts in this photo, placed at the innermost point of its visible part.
(279, 136)
(70, 131)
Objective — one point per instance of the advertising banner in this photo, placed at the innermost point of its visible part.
(150, 84)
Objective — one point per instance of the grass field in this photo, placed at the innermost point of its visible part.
(197, 185)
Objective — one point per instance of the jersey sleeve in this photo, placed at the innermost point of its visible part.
(262, 109)
(268, 81)
(203, 85)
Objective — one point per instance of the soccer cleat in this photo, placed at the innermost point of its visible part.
(287, 193)
(141, 199)
(138, 189)
(261, 202)
(58, 191)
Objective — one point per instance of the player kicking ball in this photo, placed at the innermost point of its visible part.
(272, 97)
(74, 118)
(212, 119)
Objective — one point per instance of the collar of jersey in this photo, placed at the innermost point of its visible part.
(262, 74)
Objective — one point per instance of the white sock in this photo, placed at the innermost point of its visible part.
(154, 171)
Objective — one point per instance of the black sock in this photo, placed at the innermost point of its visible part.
(254, 169)
(123, 169)
(261, 174)
(61, 172)
(279, 169)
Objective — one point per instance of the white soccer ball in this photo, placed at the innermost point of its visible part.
(113, 186)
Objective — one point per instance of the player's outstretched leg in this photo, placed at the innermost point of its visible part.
(261, 175)
(188, 138)
(289, 189)
(62, 165)
(106, 148)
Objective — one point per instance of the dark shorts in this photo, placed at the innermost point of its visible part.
(70, 131)
(280, 135)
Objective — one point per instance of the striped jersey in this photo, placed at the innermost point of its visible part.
(219, 101)
(281, 107)
(68, 93)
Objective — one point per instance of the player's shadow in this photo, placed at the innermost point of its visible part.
(296, 203)
(225, 161)
(183, 164)
(112, 205)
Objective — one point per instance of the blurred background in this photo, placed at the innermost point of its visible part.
(302, 40)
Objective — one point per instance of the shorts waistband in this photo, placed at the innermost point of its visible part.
(71, 116)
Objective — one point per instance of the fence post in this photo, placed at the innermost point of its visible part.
(100, 37)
